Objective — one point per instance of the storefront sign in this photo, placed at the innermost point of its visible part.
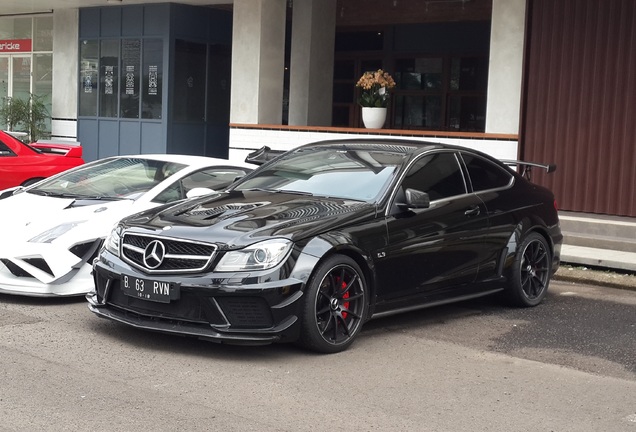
(15, 45)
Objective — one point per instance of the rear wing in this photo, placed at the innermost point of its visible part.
(262, 155)
(525, 168)
(62, 149)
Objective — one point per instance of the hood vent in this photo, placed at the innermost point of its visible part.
(215, 211)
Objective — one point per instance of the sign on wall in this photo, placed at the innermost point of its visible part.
(15, 45)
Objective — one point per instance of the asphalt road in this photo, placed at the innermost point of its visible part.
(568, 365)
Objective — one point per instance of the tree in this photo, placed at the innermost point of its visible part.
(20, 115)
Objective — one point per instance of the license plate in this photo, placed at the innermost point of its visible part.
(148, 289)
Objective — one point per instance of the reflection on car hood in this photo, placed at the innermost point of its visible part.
(241, 218)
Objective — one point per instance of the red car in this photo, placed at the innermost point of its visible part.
(23, 164)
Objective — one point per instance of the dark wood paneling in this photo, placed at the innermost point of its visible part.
(580, 102)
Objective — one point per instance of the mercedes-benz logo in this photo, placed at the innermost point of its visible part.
(154, 254)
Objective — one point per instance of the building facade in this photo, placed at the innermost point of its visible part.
(543, 80)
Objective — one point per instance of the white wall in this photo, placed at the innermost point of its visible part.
(505, 69)
(243, 141)
(65, 74)
(258, 57)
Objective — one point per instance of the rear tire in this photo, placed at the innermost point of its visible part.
(335, 306)
(530, 275)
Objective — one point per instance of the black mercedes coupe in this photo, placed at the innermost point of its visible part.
(327, 236)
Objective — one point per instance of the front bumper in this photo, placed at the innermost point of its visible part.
(238, 308)
(45, 270)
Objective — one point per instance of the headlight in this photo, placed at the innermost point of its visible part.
(113, 240)
(51, 234)
(259, 256)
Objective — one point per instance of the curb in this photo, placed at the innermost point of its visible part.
(603, 277)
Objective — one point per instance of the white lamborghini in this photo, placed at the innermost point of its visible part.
(51, 231)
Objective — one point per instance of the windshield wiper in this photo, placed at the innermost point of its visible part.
(74, 196)
(51, 194)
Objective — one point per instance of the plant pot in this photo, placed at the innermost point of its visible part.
(373, 118)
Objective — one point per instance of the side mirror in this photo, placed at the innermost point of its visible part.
(199, 191)
(417, 199)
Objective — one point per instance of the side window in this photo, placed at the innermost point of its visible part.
(438, 174)
(216, 178)
(484, 174)
(212, 178)
(5, 151)
(171, 193)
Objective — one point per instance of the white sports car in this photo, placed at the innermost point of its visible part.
(52, 230)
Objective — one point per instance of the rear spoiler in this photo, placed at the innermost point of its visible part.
(66, 150)
(262, 155)
(525, 168)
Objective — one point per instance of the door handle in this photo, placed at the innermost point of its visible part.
(472, 211)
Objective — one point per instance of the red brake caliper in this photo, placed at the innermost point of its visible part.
(345, 296)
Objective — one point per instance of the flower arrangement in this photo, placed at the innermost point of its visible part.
(375, 88)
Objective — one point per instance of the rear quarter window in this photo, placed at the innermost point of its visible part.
(485, 174)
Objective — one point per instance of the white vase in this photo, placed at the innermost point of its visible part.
(373, 118)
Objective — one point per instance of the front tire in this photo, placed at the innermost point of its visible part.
(335, 305)
(530, 275)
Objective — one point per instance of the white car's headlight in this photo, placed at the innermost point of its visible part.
(259, 256)
(51, 234)
(113, 240)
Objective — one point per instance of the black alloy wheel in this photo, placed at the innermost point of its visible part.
(335, 305)
(531, 271)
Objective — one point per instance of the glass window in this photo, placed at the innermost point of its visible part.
(467, 113)
(419, 73)
(343, 92)
(189, 82)
(344, 70)
(130, 77)
(108, 78)
(469, 73)
(484, 174)
(418, 112)
(15, 28)
(355, 172)
(212, 178)
(43, 33)
(152, 79)
(215, 179)
(22, 77)
(88, 78)
(360, 41)
(113, 177)
(4, 84)
(43, 84)
(438, 174)
(5, 150)
(218, 84)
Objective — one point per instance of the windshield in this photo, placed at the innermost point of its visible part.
(354, 173)
(113, 178)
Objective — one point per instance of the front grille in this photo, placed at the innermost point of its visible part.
(194, 306)
(180, 256)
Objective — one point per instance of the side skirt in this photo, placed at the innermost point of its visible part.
(435, 303)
